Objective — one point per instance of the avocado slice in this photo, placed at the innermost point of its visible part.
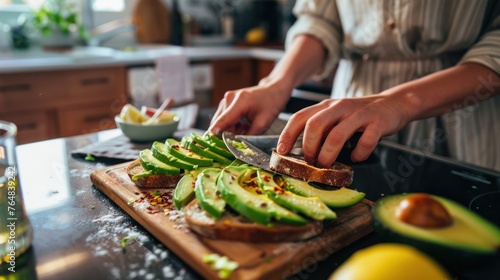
(207, 194)
(254, 206)
(312, 206)
(150, 163)
(184, 191)
(211, 138)
(175, 148)
(469, 240)
(223, 152)
(339, 198)
(191, 144)
(158, 150)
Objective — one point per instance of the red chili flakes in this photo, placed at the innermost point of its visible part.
(252, 184)
(279, 190)
(258, 191)
(157, 200)
(152, 210)
(266, 178)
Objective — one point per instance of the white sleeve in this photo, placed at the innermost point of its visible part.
(487, 50)
(319, 18)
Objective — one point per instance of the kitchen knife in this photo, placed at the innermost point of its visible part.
(245, 151)
(256, 150)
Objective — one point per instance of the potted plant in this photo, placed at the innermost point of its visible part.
(58, 24)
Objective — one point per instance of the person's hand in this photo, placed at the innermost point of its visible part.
(249, 110)
(330, 123)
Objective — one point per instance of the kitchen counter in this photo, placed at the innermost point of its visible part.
(78, 230)
(84, 57)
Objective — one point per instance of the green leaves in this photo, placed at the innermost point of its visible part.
(58, 15)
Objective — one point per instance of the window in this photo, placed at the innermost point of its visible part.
(19, 5)
(108, 5)
(13, 5)
(9, 2)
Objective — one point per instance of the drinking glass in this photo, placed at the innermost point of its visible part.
(15, 228)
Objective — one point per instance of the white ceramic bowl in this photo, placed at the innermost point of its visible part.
(147, 133)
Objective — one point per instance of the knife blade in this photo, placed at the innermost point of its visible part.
(260, 148)
(245, 151)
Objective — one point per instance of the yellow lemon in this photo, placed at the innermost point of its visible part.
(256, 36)
(165, 117)
(389, 261)
(131, 114)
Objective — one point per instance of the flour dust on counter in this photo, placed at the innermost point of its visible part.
(116, 236)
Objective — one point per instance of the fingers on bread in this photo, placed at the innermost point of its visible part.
(339, 174)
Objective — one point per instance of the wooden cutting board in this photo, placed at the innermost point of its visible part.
(256, 260)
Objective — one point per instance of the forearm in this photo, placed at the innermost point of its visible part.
(448, 90)
(304, 58)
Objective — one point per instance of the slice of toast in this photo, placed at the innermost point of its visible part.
(153, 180)
(235, 227)
(339, 174)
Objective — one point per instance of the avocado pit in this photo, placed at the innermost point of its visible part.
(423, 211)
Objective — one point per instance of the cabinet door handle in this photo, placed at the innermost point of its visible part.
(14, 88)
(95, 118)
(95, 81)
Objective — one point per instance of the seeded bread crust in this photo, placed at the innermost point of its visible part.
(339, 174)
(238, 228)
(151, 181)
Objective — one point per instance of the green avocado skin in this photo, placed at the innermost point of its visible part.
(207, 193)
(149, 162)
(214, 139)
(184, 191)
(339, 198)
(212, 147)
(189, 143)
(257, 208)
(312, 207)
(449, 256)
(159, 152)
(174, 148)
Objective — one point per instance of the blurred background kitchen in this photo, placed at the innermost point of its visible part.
(212, 22)
(67, 67)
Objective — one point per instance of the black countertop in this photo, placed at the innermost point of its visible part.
(78, 230)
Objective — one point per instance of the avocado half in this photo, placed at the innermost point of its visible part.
(469, 240)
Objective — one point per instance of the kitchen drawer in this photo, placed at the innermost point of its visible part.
(33, 126)
(231, 74)
(96, 84)
(24, 91)
(88, 119)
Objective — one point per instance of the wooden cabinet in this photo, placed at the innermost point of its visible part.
(231, 74)
(52, 104)
(88, 119)
(263, 68)
(33, 125)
